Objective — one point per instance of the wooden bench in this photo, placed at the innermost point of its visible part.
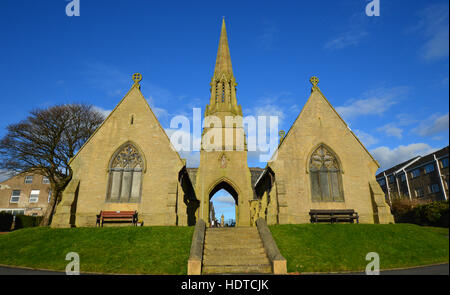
(330, 215)
(117, 216)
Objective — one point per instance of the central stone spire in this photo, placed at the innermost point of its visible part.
(223, 60)
(223, 84)
(223, 154)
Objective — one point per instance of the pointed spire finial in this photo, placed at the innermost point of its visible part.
(223, 60)
(137, 77)
(314, 81)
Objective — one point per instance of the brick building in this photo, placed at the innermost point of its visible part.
(25, 193)
(425, 177)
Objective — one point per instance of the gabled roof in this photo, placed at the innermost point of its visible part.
(315, 88)
(136, 87)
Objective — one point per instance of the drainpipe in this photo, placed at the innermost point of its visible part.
(440, 176)
(387, 187)
(407, 183)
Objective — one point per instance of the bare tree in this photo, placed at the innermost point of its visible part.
(45, 142)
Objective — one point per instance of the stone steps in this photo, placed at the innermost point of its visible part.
(232, 235)
(241, 269)
(231, 246)
(236, 260)
(234, 250)
(228, 240)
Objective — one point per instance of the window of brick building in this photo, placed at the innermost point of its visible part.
(403, 177)
(34, 196)
(433, 188)
(45, 180)
(419, 192)
(429, 168)
(415, 173)
(15, 196)
(444, 163)
(29, 179)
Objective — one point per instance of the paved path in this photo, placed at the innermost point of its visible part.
(23, 271)
(442, 269)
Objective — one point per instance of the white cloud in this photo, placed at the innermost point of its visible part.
(160, 113)
(434, 25)
(105, 113)
(351, 34)
(433, 125)
(375, 102)
(225, 199)
(366, 138)
(192, 158)
(268, 110)
(387, 157)
(391, 130)
(405, 119)
(346, 39)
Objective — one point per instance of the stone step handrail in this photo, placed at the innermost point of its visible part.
(196, 255)
(278, 261)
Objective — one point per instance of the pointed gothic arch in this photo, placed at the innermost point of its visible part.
(325, 172)
(125, 171)
(224, 184)
(227, 185)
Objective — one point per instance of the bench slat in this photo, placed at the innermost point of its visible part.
(128, 216)
(333, 215)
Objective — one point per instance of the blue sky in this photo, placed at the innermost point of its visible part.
(388, 76)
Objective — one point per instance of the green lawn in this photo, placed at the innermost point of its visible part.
(134, 250)
(165, 250)
(343, 247)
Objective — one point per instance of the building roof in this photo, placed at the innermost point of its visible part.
(396, 167)
(415, 162)
(254, 171)
(429, 158)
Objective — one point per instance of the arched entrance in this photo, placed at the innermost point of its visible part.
(223, 200)
(223, 189)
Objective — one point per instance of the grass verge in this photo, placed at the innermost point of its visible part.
(343, 247)
(165, 250)
(132, 250)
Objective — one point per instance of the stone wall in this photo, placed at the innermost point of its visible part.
(131, 121)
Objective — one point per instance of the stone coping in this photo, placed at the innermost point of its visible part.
(196, 254)
(279, 265)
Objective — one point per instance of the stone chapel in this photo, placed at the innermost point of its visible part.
(129, 164)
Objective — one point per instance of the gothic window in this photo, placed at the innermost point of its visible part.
(325, 174)
(223, 92)
(125, 175)
(217, 92)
